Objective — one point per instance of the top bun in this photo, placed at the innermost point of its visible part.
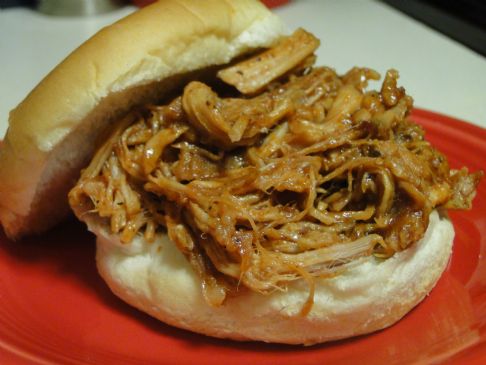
(140, 59)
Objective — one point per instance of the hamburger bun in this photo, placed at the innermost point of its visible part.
(370, 294)
(145, 58)
(140, 59)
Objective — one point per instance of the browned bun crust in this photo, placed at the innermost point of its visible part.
(140, 59)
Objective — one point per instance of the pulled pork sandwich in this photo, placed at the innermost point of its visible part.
(235, 188)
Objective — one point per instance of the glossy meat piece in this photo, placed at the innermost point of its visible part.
(253, 74)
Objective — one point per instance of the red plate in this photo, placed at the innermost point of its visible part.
(55, 309)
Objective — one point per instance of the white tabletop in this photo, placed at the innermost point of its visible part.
(441, 75)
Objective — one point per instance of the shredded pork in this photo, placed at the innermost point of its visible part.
(300, 173)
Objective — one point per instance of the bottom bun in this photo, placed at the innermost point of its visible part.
(368, 295)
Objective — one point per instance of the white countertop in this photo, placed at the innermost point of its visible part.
(440, 74)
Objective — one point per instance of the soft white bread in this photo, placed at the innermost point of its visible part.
(54, 131)
(369, 295)
(143, 59)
